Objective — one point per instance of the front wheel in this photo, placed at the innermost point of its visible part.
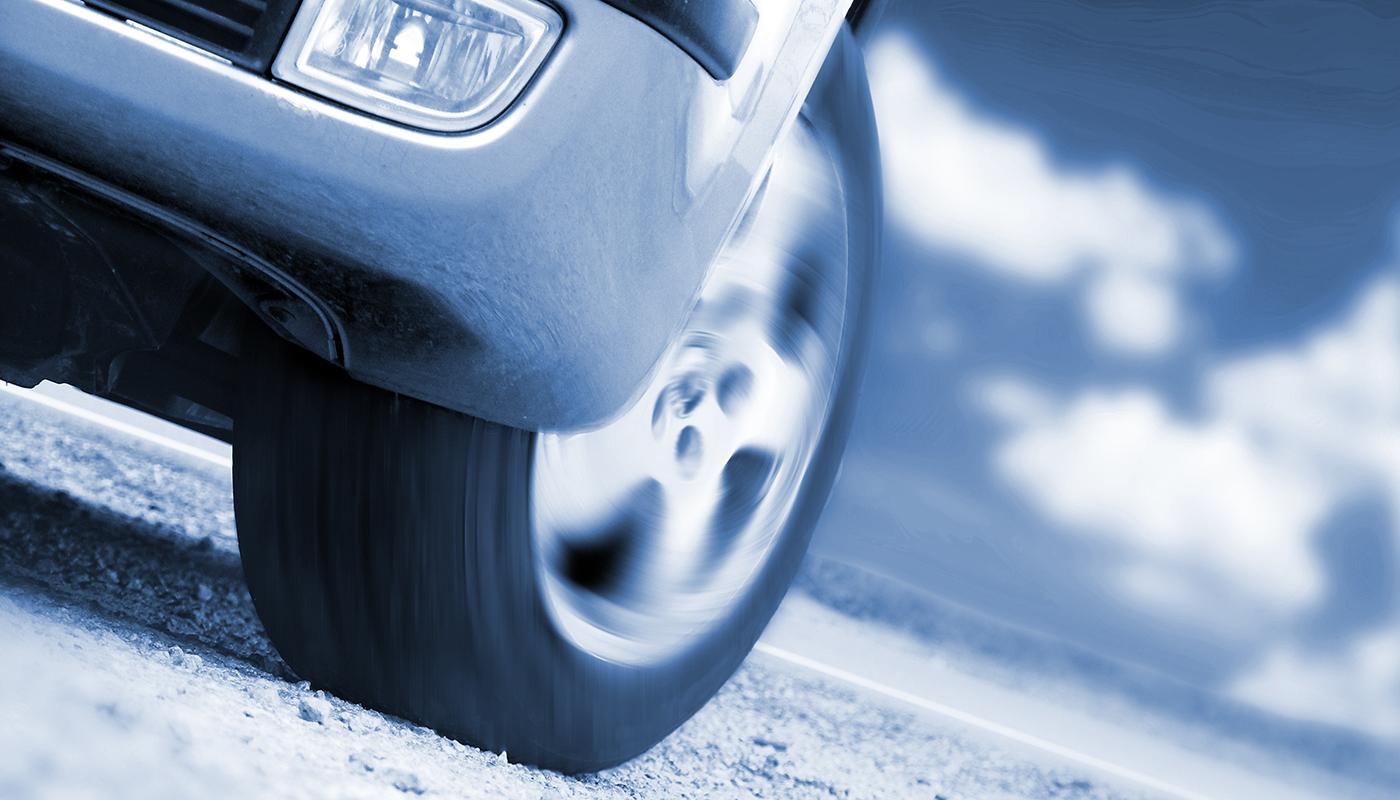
(572, 599)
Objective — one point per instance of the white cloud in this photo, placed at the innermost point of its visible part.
(1357, 687)
(1333, 403)
(1233, 496)
(1203, 519)
(1137, 313)
(1212, 517)
(965, 183)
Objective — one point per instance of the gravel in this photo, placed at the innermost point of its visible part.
(134, 666)
(99, 707)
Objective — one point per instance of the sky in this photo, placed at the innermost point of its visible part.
(1136, 380)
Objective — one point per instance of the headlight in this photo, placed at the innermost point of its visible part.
(445, 65)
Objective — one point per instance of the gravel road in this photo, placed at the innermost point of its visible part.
(134, 666)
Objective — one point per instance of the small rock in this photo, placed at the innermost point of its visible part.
(263, 695)
(314, 709)
(180, 626)
(204, 594)
(180, 658)
(404, 781)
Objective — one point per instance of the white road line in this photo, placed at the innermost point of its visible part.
(762, 647)
(116, 425)
(970, 719)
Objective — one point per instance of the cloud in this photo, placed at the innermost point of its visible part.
(1203, 519)
(1214, 515)
(1334, 402)
(1357, 687)
(965, 183)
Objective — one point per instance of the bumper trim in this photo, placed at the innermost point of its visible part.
(246, 32)
(259, 284)
(715, 33)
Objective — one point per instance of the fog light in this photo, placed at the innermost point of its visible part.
(445, 65)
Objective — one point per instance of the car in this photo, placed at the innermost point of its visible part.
(536, 327)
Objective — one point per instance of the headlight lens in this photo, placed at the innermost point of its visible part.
(445, 65)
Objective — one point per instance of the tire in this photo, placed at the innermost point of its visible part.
(400, 554)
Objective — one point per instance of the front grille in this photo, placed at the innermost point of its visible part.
(246, 32)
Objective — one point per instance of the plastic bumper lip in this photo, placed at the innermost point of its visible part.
(715, 33)
(529, 273)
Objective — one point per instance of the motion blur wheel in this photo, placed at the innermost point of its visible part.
(572, 598)
(650, 531)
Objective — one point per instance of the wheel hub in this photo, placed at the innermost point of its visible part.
(649, 530)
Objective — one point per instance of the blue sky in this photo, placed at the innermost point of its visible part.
(1137, 375)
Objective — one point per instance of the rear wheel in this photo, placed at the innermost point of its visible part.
(571, 599)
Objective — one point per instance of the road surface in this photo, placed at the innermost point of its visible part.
(134, 665)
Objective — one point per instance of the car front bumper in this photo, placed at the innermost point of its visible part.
(530, 272)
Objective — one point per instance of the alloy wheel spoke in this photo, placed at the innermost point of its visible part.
(650, 527)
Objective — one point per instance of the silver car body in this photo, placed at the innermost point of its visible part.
(529, 272)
